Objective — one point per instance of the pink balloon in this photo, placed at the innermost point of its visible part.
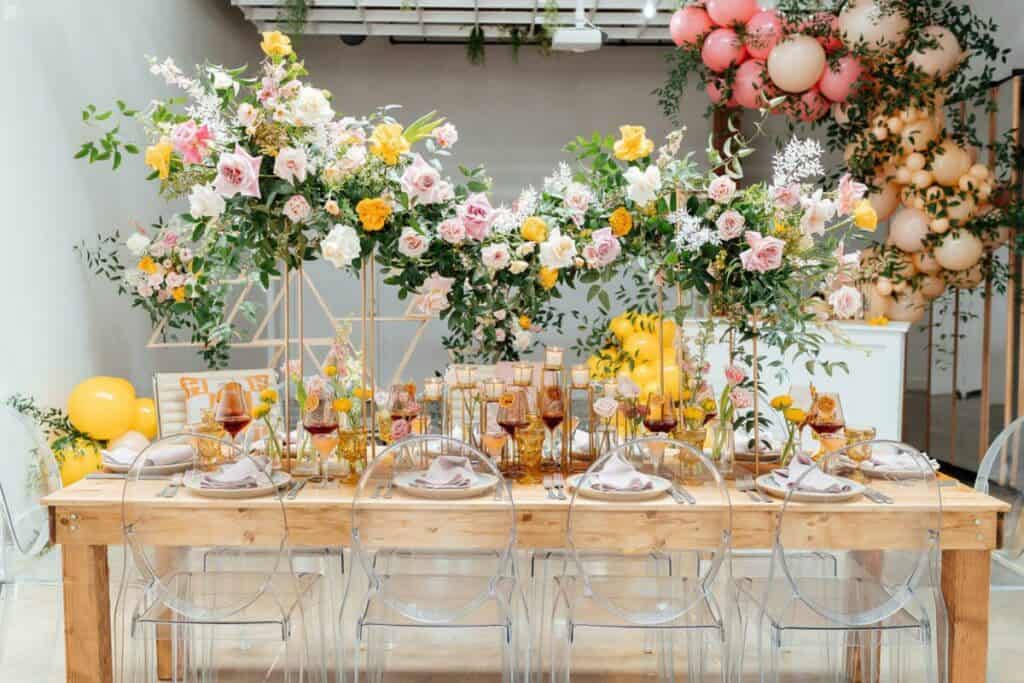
(748, 88)
(731, 12)
(837, 85)
(764, 30)
(812, 105)
(715, 94)
(688, 25)
(722, 49)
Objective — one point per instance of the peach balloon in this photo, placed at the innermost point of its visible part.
(950, 163)
(921, 179)
(940, 226)
(931, 286)
(918, 134)
(796, 63)
(749, 84)
(837, 84)
(909, 308)
(866, 23)
(967, 279)
(883, 286)
(812, 106)
(908, 228)
(875, 304)
(959, 250)
(916, 161)
(688, 25)
(885, 200)
(937, 61)
(722, 49)
(764, 31)
(960, 209)
(730, 12)
(925, 263)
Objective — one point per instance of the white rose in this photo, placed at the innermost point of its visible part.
(412, 244)
(525, 249)
(247, 114)
(137, 244)
(222, 80)
(643, 185)
(496, 256)
(518, 266)
(205, 202)
(355, 156)
(341, 246)
(846, 302)
(522, 340)
(311, 107)
(290, 165)
(558, 251)
(500, 314)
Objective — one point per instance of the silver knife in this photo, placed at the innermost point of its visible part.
(685, 495)
(116, 475)
(295, 489)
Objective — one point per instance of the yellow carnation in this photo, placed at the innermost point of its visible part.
(178, 293)
(864, 216)
(373, 213)
(268, 396)
(260, 410)
(782, 402)
(342, 405)
(547, 277)
(621, 221)
(795, 415)
(388, 143)
(276, 44)
(148, 265)
(634, 144)
(525, 322)
(158, 157)
(534, 229)
(330, 370)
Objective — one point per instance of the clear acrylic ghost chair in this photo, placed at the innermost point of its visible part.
(679, 605)
(423, 565)
(259, 614)
(1001, 474)
(854, 626)
(30, 599)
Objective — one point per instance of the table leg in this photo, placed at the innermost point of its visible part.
(965, 585)
(87, 648)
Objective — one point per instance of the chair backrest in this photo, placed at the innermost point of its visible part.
(1001, 474)
(401, 503)
(170, 395)
(877, 583)
(646, 475)
(27, 473)
(177, 574)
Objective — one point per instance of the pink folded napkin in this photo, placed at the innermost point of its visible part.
(447, 472)
(248, 473)
(170, 454)
(814, 481)
(898, 461)
(619, 475)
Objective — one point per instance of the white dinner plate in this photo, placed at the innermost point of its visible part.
(149, 469)
(660, 487)
(483, 485)
(768, 484)
(193, 477)
(748, 456)
(869, 469)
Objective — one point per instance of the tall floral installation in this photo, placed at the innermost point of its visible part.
(891, 82)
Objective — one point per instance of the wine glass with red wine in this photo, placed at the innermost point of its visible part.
(512, 411)
(551, 405)
(320, 419)
(232, 411)
(660, 417)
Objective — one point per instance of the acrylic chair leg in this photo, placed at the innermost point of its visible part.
(561, 638)
(6, 616)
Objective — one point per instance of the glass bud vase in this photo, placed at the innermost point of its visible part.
(721, 441)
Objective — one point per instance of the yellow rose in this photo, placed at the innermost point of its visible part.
(795, 415)
(547, 277)
(782, 402)
(534, 229)
(525, 322)
(373, 213)
(147, 265)
(268, 396)
(178, 293)
(864, 216)
(330, 370)
(158, 157)
(634, 144)
(388, 143)
(342, 405)
(621, 222)
(260, 410)
(276, 44)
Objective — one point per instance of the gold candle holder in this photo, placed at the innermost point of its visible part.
(587, 389)
(580, 377)
(553, 357)
(522, 374)
(433, 389)
(493, 390)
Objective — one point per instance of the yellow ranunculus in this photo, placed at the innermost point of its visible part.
(864, 216)
(260, 410)
(362, 393)
(693, 414)
(879, 321)
(178, 293)
(330, 370)
(525, 322)
(268, 396)
(547, 277)
(634, 144)
(373, 213)
(276, 44)
(158, 157)
(708, 405)
(795, 415)
(621, 221)
(388, 143)
(342, 405)
(534, 229)
(782, 402)
(148, 265)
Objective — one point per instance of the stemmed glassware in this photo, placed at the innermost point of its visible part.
(320, 419)
(827, 422)
(551, 405)
(232, 411)
(660, 417)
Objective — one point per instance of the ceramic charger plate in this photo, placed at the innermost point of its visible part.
(149, 469)
(768, 484)
(870, 470)
(659, 487)
(481, 486)
(192, 480)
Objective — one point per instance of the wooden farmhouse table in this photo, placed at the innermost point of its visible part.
(86, 518)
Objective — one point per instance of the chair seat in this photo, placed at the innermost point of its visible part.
(274, 605)
(637, 602)
(787, 611)
(448, 600)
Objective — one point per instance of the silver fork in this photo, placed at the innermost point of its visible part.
(549, 487)
(171, 490)
(746, 484)
(390, 487)
(560, 486)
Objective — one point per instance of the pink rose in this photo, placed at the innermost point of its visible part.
(423, 183)
(741, 398)
(846, 302)
(170, 239)
(191, 141)
(175, 280)
(433, 295)
(290, 165)
(445, 136)
(722, 189)
(786, 196)
(452, 231)
(297, 209)
(412, 244)
(238, 173)
(145, 290)
(734, 375)
(850, 192)
(603, 249)
(477, 215)
(764, 254)
(730, 224)
(496, 256)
